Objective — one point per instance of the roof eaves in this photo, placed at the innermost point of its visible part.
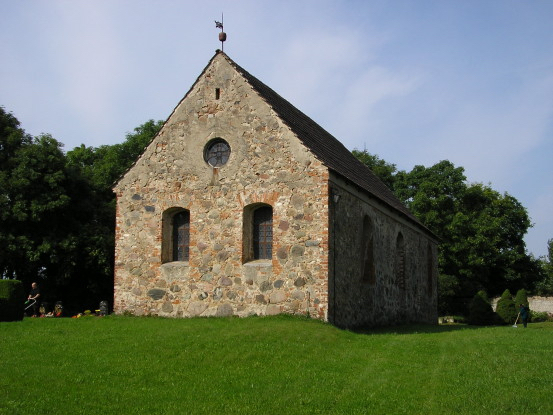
(330, 151)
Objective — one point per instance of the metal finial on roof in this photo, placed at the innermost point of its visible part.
(222, 35)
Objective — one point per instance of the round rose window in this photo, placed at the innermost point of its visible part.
(217, 152)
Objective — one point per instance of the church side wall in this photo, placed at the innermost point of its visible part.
(267, 165)
(377, 288)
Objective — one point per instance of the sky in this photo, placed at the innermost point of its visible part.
(414, 82)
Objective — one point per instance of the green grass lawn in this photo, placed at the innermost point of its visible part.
(270, 365)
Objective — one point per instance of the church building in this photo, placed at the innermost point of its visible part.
(242, 205)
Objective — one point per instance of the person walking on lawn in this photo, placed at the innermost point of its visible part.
(33, 295)
(524, 314)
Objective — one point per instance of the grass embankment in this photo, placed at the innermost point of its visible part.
(271, 365)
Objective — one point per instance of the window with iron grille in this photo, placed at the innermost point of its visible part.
(263, 233)
(217, 152)
(181, 236)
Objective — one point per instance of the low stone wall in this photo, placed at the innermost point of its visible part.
(540, 304)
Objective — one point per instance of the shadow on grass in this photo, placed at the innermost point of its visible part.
(417, 329)
(446, 328)
(397, 329)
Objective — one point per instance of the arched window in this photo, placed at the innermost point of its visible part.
(175, 245)
(367, 252)
(430, 270)
(263, 233)
(400, 261)
(181, 236)
(257, 236)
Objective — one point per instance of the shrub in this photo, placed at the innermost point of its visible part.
(481, 311)
(506, 309)
(522, 298)
(538, 316)
(11, 300)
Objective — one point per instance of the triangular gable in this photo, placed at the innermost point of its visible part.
(168, 118)
(326, 147)
(321, 143)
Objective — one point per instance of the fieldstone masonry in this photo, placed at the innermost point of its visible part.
(268, 164)
(380, 301)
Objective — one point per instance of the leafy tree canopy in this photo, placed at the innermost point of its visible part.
(481, 231)
(385, 171)
(105, 164)
(57, 211)
(545, 265)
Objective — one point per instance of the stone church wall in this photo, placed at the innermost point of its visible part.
(367, 291)
(268, 164)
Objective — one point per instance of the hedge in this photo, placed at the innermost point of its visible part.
(12, 297)
(480, 310)
(506, 309)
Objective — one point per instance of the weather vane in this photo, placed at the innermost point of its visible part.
(222, 35)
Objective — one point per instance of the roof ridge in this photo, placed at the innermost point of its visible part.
(327, 148)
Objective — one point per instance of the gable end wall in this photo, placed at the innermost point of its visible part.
(268, 164)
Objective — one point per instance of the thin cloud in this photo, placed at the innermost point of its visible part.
(540, 213)
(374, 88)
(90, 63)
(488, 135)
(415, 84)
(312, 64)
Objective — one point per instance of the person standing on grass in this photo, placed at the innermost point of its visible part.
(33, 295)
(524, 314)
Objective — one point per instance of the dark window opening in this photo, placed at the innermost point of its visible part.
(181, 236)
(430, 265)
(400, 262)
(263, 233)
(367, 253)
(217, 93)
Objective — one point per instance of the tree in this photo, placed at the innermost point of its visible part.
(94, 171)
(506, 309)
(105, 164)
(480, 310)
(34, 200)
(448, 286)
(57, 212)
(488, 232)
(544, 286)
(383, 170)
(12, 139)
(481, 231)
